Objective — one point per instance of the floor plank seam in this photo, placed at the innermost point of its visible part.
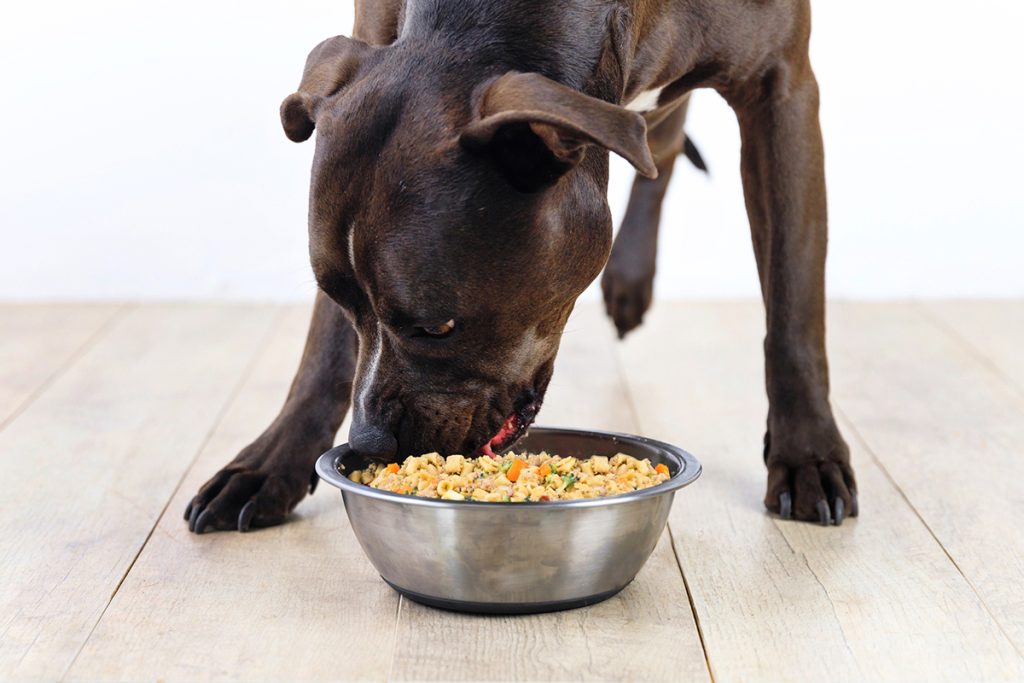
(835, 614)
(693, 607)
(394, 638)
(881, 466)
(83, 348)
(968, 347)
(228, 402)
(627, 388)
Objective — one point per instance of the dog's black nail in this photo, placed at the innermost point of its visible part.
(188, 508)
(194, 515)
(202, 521)
(854, 507)
(823, 516)
(840, 508)
(245, 516)
(314, 479)
(785, 505)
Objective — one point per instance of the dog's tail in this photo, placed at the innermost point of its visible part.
(691, 152)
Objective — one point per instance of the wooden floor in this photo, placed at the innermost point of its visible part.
(112, 415)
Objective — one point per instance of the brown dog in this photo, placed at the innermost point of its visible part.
(458, 208)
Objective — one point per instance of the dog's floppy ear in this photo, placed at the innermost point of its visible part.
(329, 67)
(535, 130)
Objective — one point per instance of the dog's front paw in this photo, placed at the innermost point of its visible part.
(809, 475)
(256, 489)
(628, 291)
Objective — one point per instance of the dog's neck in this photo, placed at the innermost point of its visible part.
(564, 41)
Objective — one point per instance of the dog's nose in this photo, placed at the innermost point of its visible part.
(372, 442)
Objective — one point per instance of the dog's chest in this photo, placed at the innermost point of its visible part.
(645, 101)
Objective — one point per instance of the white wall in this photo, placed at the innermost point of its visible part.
(141, 154)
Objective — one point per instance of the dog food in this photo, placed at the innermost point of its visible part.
(513, 478)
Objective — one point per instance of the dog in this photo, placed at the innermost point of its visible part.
(458, 208)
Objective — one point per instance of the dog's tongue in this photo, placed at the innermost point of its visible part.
(510, 426)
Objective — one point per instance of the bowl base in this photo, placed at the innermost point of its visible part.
(505, 607)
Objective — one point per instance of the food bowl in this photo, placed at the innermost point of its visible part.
(514, 558)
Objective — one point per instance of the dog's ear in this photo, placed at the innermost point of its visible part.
(329, 67)
(535, 130)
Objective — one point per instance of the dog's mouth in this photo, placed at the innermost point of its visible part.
(513, 428)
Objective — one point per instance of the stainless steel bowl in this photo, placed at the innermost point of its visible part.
(514, 558)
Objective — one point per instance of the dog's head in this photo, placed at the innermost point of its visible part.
(455, 215)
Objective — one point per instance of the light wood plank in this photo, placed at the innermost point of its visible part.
(296, 602)
(91, 463)
(950, 432)
(646, 633)
(37, 341)
(993, 330)
(876, 599)
(587, 390)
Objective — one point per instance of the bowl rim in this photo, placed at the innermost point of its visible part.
(690, 470)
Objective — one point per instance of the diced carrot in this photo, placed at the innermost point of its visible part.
(661, 468)
(544, 471)
(393, 468)
(517, 466)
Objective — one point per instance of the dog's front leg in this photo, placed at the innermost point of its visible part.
(809, 474)
(273, 473)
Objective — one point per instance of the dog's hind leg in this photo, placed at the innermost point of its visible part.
(273, 473)
(628, 278)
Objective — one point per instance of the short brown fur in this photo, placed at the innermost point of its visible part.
(461, 170)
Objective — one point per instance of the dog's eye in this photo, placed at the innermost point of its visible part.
(436, 331)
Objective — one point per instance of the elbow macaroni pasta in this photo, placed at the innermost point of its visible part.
(513, 478)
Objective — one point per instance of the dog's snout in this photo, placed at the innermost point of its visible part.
(372, 442)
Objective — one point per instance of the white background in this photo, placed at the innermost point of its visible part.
(141, 153)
